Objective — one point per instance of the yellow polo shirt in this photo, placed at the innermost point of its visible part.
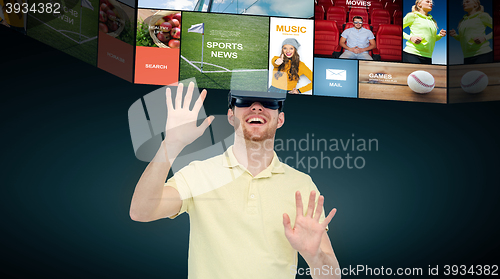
(236, 219)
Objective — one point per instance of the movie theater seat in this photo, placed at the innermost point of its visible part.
(375, 5)
(397, 17)
(341, 3)
(319, 13)
(391, 7)
(379, 17)
(325, 3)
(389, 40)
(338, 14)
(496, 42)
(326, 39)
(359, 12)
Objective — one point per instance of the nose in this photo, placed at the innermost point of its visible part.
(256, 106)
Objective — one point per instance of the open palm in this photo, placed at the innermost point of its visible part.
(181, 128)
(305, 236)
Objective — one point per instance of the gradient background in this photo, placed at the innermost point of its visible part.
(428, 196)
(439, 14)
(456, 13)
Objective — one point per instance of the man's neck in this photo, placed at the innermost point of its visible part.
(254, 156)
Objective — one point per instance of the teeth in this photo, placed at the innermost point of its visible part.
(255, 119)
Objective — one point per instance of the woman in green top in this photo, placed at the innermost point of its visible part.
(422, 37)
(472, 33)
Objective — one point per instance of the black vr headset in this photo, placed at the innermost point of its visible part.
(243, 96)
(270, 100)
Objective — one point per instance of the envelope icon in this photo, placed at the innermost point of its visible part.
(333, 74)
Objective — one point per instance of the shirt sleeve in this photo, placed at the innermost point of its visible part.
(304, 70)
(408, 21)
(459, 34)
(370, 35)
(488, 22)
(179, 183)
(345, 34)
(273, 60)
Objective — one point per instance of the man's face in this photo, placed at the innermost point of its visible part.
(358, 23)
(255, 123)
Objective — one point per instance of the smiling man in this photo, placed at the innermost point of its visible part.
(245, 206)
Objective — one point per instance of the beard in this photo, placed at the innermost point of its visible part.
(260, 136)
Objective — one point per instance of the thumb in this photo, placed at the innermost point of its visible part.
(329, 217)
(207, 122)
(286, 222)
(282, 56)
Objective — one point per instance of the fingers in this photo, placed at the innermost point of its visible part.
(416, 40)
(312, 202)
(206, 123)
(286, 223)
(189, 96)
(169, 100)
(319, 208)
(298, 204)
(329, 217)
(199, 102)
(178, 96)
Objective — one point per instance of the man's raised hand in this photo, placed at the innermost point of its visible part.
(181, 128)
(305, 236)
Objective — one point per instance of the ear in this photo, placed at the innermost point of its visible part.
(281, 119)
(230, 117)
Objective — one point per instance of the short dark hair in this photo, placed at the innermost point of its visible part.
(357, 17)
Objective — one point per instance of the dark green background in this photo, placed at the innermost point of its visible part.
(428, 196)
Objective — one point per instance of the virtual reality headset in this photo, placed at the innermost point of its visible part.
(241, 96)
(270, 100)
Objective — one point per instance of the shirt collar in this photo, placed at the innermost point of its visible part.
(466, 16)
(276, 166)
(429, 16)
